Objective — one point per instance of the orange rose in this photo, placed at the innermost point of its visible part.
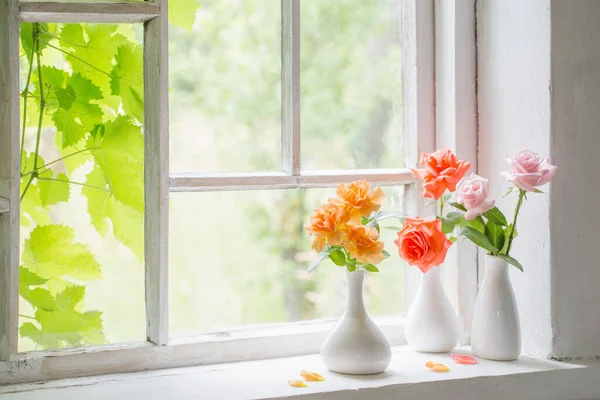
(358, 198)
(422, 243)
(442, 171)
(327, 225)
(363, 244)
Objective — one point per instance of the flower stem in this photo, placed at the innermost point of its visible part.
(522, 194)
(442, 207)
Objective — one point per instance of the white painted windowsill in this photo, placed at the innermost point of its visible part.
(406, 378)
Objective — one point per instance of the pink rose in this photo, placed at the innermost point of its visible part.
(529, 170)
(472, 192)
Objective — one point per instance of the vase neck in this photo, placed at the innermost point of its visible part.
(431, 279)
(355, 304)
(496, 268)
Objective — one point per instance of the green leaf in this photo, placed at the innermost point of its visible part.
(127, 223)
(53, 192)
(51, 252)
(27, 38)
(507, 230)
(70, 297)
(450, 221)
(38, 297)
(453, 239)
(478, 224)
(479, 239)
(127, 81)
(321, 256)
(536, 190)
(74, 111)
(496, 216)
(351, 266)
(96, 45)
(385, 254)
(458, 206)
(511, 261)
(182, 13)
(495, 234)
(30, 331)
(121, 158)
(338, 257)
(364, 220)
(28, 278)
(370, 268)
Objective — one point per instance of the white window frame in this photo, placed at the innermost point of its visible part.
(419, 100)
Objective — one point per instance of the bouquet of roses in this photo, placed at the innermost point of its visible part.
(424, 243)
(346, 228)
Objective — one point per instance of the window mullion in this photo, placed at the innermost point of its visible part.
(156, 174)
(290, 87)
(9, 178)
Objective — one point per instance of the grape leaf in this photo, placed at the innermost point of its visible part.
(38, 297)
(53, 192)
(70, 297)
(27, 38)
(121, 158)
(28, 278)
(92, 49)
(127, 80)
(51, 253)
(182, 13)
(29, 330)
(127, 223)
(75, 113)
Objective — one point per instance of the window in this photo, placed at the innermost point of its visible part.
(190, 149)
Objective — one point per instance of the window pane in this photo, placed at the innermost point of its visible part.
(351, 86)
(82, 203)
(226, 87)
(240, 258)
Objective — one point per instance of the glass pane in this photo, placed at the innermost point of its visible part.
(351, 86)
(82, 203)
(226, 87)
(246, 263)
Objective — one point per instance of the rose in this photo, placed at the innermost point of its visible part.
(443, 170)
(358, 198)
(327, 225)
(421, 243)
(472, 192)
(529, 170)
(362, 243)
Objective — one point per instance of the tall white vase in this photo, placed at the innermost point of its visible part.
(496, 334)
(355, 345)
(431, 324)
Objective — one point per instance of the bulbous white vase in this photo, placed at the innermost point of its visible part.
(355, 345)
(495, 334)
(431, 324)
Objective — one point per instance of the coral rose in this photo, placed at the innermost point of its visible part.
(529, 170)
(327, 225)
(363, 244)
(421, 243)
(473, 192)
(442, 171)
(358, 198)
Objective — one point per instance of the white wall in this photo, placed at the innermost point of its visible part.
(539, 88)
(575, 145)
(514, 112)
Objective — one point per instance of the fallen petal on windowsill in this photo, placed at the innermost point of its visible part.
(297, 384)
(465, 360)
(433, 367)
(311, 376)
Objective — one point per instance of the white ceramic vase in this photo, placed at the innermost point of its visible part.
(355, 345)
(431, 324)
(495, 334)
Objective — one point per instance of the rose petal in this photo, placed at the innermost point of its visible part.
(436, 367)
(297, 384)
(465, 360)
(311, 376)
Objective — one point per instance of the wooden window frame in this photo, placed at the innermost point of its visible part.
(418, 71)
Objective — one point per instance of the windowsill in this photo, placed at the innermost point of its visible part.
(407, 376)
